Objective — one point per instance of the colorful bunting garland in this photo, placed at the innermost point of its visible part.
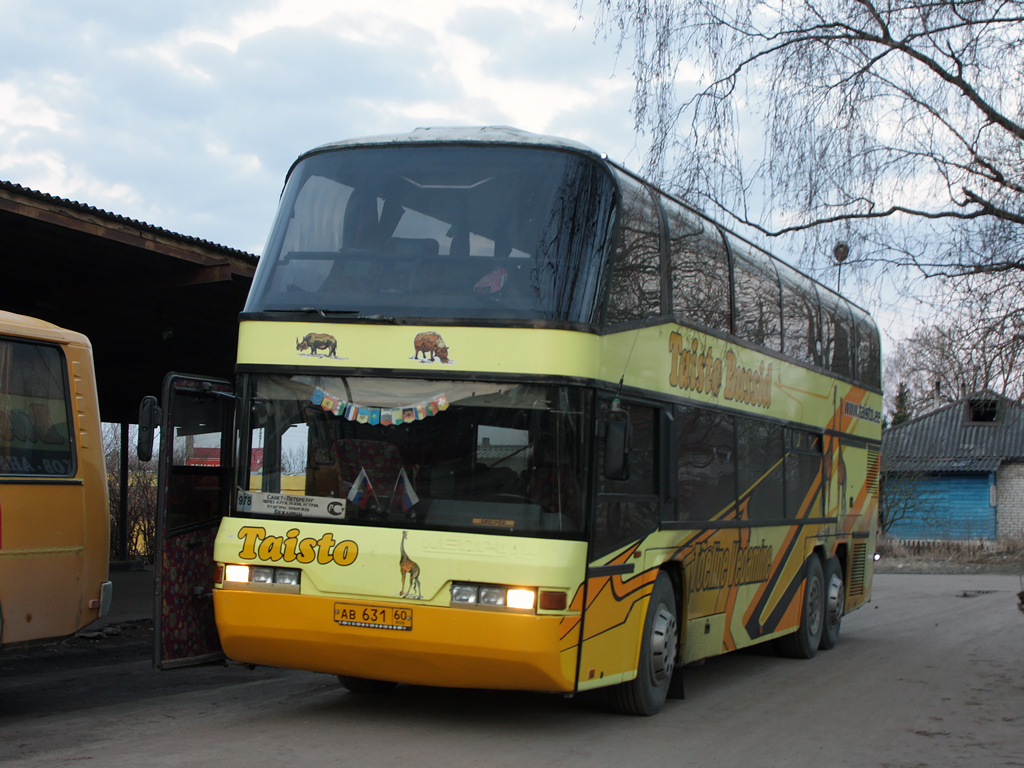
(387, 417)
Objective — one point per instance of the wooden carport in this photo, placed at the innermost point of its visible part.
(150, 300)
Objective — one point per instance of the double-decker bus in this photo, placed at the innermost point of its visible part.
(54, 512)
(555, 430)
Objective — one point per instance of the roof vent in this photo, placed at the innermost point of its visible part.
(983, 411)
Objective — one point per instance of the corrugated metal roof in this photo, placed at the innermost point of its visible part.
(943, 466)
(148, 299)
(952, 439)
(113, 217)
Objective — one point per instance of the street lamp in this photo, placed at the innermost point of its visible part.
(839, 253)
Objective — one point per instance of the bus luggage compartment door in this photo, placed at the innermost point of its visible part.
(193, 495)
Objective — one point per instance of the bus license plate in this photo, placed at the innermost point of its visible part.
(373, 616)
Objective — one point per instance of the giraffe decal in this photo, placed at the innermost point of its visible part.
(841, 481)
(411, 569)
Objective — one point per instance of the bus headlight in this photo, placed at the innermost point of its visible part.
(521, 599)
(494, 596)
(262, 575)
(465, 593)
(286, 575)
(235, 575)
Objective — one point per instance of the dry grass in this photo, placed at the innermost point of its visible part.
(1004, 555)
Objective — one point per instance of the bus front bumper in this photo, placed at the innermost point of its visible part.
(448, 647)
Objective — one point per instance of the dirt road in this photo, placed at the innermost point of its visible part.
(931, 673)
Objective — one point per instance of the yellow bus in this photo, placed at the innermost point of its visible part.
(54, 513)
(559, 431)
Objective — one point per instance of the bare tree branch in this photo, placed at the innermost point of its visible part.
(895, 127)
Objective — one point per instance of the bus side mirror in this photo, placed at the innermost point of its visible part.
(149, 420)
(617, 439)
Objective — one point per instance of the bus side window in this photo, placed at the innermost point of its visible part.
(636, 273)
(760, 459)
(627, 509)
(698, 268)
(801, 321)
(35, 427)
(706, 471)
(838, 334)
(868, 351)
(803, 472)
(758, 299)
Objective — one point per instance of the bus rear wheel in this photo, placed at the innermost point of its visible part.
(835, 601)
(803, 643)
(645, 695)
(365, 685)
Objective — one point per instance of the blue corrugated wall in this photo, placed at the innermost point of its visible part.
(945, 507)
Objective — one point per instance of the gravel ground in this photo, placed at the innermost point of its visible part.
(926, 675)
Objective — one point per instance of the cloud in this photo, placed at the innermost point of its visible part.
(187, 115)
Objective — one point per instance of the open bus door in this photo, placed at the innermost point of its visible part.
(195, 487)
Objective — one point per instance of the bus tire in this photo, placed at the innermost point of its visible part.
(645, 694)
(365, 685)
(835, 601)
(803, 643)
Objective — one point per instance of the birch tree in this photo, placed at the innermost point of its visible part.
(896, 127)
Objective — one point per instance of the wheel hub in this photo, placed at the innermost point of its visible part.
(834, 600)
(815, 609)
(664, 640)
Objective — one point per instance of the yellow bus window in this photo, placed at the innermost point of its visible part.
(34, 423)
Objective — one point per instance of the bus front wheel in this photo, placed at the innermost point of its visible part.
(645, 695)
(365, 685)
(803, 643)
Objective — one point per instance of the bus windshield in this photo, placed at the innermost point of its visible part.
(440, 232)
(447, 455)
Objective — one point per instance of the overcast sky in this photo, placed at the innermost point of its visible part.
(187, 115)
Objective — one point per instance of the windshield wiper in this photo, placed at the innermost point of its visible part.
(312, 311)
(329, 313)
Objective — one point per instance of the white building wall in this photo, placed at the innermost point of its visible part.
(1010, 501)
